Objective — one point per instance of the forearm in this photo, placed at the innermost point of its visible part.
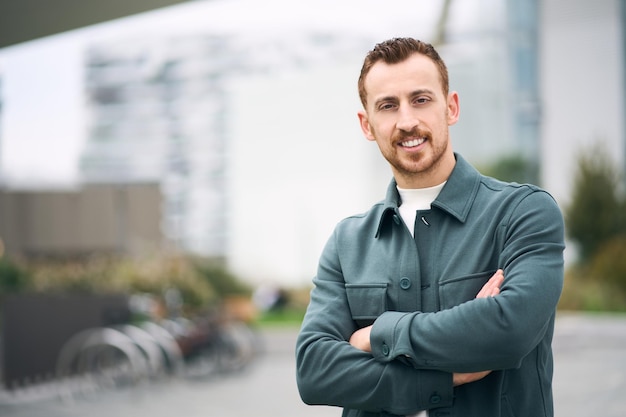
(331, 372)
(334, 373)
(473, 341)
(481, 334)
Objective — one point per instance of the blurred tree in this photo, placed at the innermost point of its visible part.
(513, 168)
(595, 214)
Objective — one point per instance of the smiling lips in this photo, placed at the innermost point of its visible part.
(413, 142)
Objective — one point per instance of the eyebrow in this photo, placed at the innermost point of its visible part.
(384, 100)
(421, 91)
(417, 92)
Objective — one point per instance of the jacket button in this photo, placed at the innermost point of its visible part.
(405, 283)
(435, 399)
(385, 349)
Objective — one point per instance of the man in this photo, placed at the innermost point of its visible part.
(442, 297)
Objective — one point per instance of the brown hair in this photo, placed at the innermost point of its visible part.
(396, 50)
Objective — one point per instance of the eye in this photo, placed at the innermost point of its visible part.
(386, 106)
(422, 100)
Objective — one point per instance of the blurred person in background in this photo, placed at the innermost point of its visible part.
(441, 297)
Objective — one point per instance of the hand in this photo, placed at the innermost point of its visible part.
(361, 339)
(460, 379)
(492, 287)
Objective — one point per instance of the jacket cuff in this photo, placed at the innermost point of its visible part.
(384, 334)
(436, 390)
(388, 343)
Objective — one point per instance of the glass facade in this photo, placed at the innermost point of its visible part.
(493, 64)
(157, 113)
(159, 110)
(522, 44)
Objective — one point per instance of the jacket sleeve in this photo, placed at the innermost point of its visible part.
(489, 333)
(332, 372)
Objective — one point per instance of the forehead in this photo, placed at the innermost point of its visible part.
(416, 72)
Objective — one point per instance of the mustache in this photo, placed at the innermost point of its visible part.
(403, 135)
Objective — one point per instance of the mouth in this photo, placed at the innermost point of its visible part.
(413, 142)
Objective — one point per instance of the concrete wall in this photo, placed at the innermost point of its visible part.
(96, 218)
(35, 327)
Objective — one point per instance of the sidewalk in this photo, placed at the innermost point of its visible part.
(590, 365)
(590, 380)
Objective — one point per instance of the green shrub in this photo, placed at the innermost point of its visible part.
(584, 295)
(150, 274)
(221, 280)
(597, 285)
(513, 168)
(608, 266)
(595, 214)
(12, 277)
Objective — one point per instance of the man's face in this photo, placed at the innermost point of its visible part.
(408, 116)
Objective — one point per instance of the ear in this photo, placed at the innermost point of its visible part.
(365, 125)
(453, 108)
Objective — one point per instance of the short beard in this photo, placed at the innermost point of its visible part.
(410, 169)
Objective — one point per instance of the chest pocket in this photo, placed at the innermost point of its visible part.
(367, 301)
(455, 291)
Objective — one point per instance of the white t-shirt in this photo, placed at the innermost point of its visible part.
(414, 199)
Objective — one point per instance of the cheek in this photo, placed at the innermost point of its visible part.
(382, 129)
(440, 124)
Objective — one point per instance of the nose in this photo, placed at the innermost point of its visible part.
(407, 119)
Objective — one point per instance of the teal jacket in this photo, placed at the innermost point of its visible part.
(419, 293)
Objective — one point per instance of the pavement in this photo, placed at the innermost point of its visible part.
(590, 365)
(590, 380)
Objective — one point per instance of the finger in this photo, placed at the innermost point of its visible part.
(496, 282)
(487, 289)
(492, 287)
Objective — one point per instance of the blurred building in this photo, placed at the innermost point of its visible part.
(108, 219)
(157, 114)
(494, 66)
(582, 79)
(160, 110)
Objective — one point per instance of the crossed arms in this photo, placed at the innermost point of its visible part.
(361, 338)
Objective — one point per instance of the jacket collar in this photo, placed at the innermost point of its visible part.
(456, 197)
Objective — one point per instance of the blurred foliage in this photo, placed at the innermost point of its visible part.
(13, 278)
(582, 293)
(595, 221)
(291, 312)
(608, 266)
(513, 168)
(596, 213)
(199, 282)
(222, 281)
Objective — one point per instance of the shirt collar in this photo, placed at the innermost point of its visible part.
(456, 197)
